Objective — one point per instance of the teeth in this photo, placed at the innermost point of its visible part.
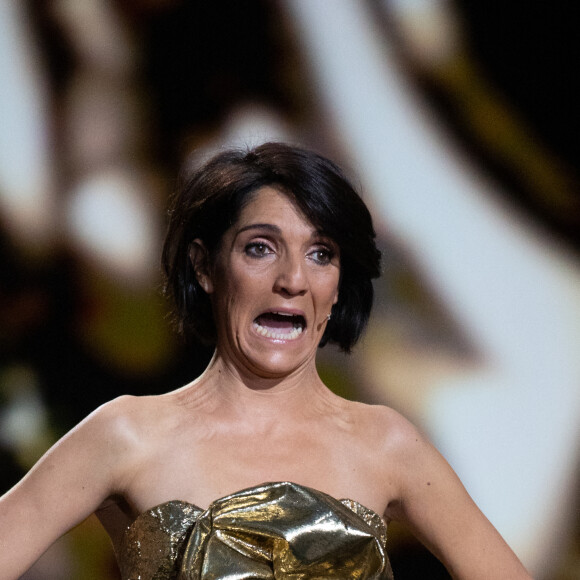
(296, 332)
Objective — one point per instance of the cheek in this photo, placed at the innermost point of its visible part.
(332, 287)
(236, 291)
(335, 297)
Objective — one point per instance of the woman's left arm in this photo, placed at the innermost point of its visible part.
(435, 505)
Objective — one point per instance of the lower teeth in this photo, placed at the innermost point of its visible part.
(296, 332)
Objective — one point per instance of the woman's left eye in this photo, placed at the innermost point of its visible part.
(322, 255)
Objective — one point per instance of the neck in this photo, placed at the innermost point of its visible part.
(255, 396)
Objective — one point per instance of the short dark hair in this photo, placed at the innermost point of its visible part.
(211, 201)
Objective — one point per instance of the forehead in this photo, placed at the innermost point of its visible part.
(269, 205)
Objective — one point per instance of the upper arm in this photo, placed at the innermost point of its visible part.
(66, 485)
(435, 505)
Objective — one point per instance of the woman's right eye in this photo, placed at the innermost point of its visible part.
(257, 249)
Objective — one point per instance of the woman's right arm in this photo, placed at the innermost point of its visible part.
(67, 484)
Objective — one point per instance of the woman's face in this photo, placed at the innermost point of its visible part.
(272, 287)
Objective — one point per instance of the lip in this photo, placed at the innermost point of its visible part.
(283, 311)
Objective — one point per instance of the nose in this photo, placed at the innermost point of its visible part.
(291, 277)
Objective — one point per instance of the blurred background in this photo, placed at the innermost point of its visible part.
(457, 120)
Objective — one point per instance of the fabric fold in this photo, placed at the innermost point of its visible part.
(274, 531)
(282, 531)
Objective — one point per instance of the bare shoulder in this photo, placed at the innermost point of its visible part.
(387, 426)
(115, 420)
(405, 453)
(126, 408)
(428, 497)
(126, 421)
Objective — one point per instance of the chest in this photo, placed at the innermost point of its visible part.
(200, 469)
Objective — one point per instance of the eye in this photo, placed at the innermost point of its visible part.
(322, 255)
(257, 249)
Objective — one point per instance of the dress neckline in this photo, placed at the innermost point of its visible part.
(251, 489)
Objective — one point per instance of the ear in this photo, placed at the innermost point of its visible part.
(199, 257)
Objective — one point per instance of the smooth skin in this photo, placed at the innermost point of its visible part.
(259, 413)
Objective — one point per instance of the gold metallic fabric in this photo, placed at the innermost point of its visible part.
(275, 531)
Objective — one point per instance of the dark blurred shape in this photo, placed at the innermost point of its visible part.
(505, 91)
(531, 51)
(204, 58)
(414, 562)
(11, 472)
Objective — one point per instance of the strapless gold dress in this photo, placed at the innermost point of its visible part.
(275, 531)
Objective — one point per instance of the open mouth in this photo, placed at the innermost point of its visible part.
(280, 325)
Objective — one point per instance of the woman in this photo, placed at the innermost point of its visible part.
(269, 255)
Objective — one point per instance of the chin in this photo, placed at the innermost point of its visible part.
(277, 364)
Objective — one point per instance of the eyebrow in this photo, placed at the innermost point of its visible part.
(269, 227)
